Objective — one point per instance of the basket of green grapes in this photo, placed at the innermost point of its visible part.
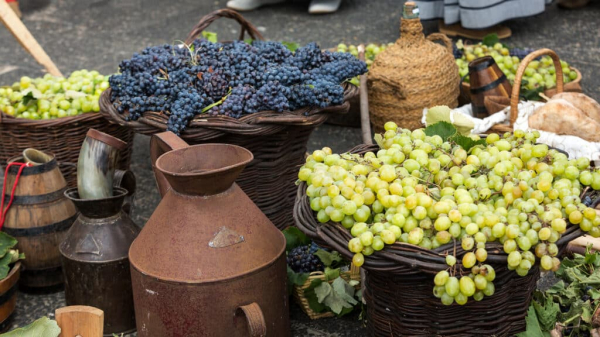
(53, 114)
(452, 230)
(352, 118)
(538, 77)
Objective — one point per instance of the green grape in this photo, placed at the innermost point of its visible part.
(358, 259)
(438, 291)
(469, 260)
(452, 286)
(447, 299)
(467, 286)
(441, 278)
(514, 258)
(546, 262)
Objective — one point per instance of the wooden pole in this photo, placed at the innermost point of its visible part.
(22, 34)
(365, 121)
(80, 320)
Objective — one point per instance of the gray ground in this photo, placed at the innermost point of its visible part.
(98, 34)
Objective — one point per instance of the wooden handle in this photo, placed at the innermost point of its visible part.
(256, 320)
(27, 41)
(80, 320)
(445, 40)
(516, 88)
(365, 119)
(224, 13)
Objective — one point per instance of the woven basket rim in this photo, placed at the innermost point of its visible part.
(257, 123)
(7, 119)
(399, 257)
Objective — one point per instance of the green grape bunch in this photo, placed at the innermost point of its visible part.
(422, 190)
(371, 51)
(52, 97)
(539, 73)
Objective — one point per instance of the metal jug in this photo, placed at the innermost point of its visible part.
(208, 262)
(95, 259)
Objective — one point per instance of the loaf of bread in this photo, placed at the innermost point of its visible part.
(586, 104)
(562, 117)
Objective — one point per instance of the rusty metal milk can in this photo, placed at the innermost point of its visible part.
(95, 259)
(208, 262)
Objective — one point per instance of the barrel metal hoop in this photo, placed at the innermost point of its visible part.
(60, 226)
(489, 86)
(8, 294)
(36, 199)
(33, 170)
(35, 272)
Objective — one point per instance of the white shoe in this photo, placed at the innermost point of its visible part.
(324, 6)
(248, 5)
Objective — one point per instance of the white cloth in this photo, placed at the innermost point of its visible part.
(573, 145)
(478, 14)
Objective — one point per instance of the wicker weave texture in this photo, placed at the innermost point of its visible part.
(62, 137)
(412, 74)
(403, 305)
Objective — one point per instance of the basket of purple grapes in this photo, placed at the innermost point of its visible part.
(258, 95)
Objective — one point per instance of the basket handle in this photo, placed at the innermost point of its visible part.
(442, 38)
(257, 327)
(516, 88)
(206, 20)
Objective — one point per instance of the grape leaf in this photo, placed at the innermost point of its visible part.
(328, 258)
(311, 296)
(546, 312)
(466, 142)
(533, 325)
(331, 273)
(322, 291)
(43, 327)
(490, 40)
(30, 94)
(294, 278)
(379, 140)
(442, 129)
(6, 243)
(344, 290)
(294, 238)
(292, 46)
(210, 36)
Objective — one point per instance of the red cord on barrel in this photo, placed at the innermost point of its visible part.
(3, 211)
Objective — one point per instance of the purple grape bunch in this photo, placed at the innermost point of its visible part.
(232, 79)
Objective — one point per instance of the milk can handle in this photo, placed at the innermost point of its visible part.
(256, 320)
(160, 144)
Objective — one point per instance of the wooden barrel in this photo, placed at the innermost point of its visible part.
(39, 218)
(486, 80)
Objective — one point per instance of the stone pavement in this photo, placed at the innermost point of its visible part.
(98, 34)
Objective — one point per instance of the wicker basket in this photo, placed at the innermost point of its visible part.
(62, 137)
(516, 88)
(399, 283)
(352, 275)
(277, 140)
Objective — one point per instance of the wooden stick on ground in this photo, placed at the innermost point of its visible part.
(22, 34)
(365, 121)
